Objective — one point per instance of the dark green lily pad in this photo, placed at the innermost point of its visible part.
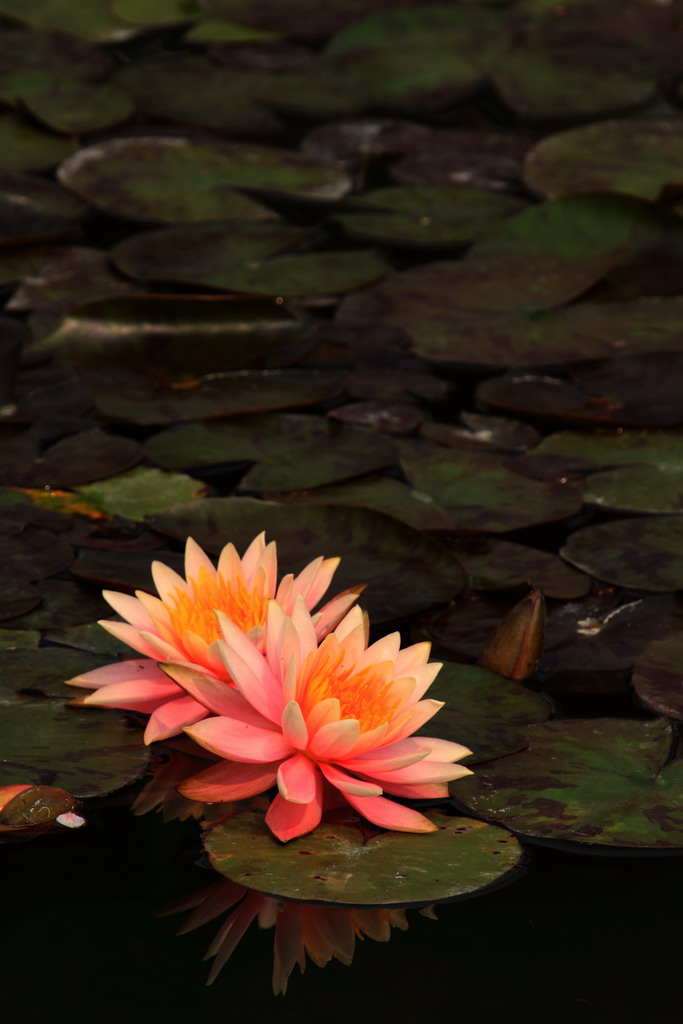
(89, 637)
(154, 331)
(155, 12)
(476, 158)
(483, 711)
(23, 148)
(148, 403)
(636, 157)
(43, 670)
(334, 865)
(63, 604)
(154, 178)
(321, 90)
(221, 30)
(483, 433)
(599, 781)
(79, 458)
(353, 141)
(119, 570)
(57, 52)
(385, 495)
(88, 752)
(141, 492)
(31, 207)
(33, 553)
(18, 639)
(17, 597)
(92, 21)
(405, 570)
(71, 107)
(645, 553)
(499, 564)
(481, 493)
(655, 489)
(426, 214)
(658, 676)
(204, 255)
(293, 452)
(190, 89)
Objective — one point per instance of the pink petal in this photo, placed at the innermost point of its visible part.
(413, 657)
(164, 650)
(331, 614)
(443, 750)
(166, 581)
(275, 627)
(388, 814)
(156, 609)
(129, 635)
(413, 718)
(195, 559)
(252, 556)
(296, 779)
(196, 648)
(134, 695)
(325, 711)
(136, 669)
(347, 784)
(129, 608)
(428, 791)
(268, 563)
(230, 564)
(294, 727)
(216, 695)
(422, 772)
(424, 677)
(332, 742)
(394, 755)
(229, 780)
(287, 820)
(385, 649)
(240, 741)
(170, 719)
(250, 671)
(353, 621)
(302, 624)
(283, 595)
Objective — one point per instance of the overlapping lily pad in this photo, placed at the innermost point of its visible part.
(63, 604)
(639, 157)
(658, 676)
(25, 148)
(117, 570)
(32, 553)
(153, 178)
(141, 492)
(92, 21)
(477, 158)
(499, 564)
(602, 781)
(405, 571)
(155, 12)
(42, 670)
(69, 106)
(31, 207)
(644, 553)
(333, 864)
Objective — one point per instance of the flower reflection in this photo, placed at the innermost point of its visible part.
(301, 930)
(180, 626)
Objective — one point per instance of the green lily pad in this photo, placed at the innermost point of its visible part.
(190, 89)
(385, 495)
(23, 148)
(334, 865)
(636, 157)
(89, 637)
(645, 553)
(92, 21)
(154, 177)
(88, 752)
(596, 780)
(17, 597)
(155, 12)
(221, 30)
(63, 604)
(33, 553)
(405, 571)
(149, 403)
(658, 676)
(31, 207)
(44, 669)
(498, 564)
(483, 711)
(204, 254)
(141, 492)
(69, 106)
(655, 489)
(18, 639)
(481, 493)
(426, 214)
(120, 570)
(293, 452)
(155, 331)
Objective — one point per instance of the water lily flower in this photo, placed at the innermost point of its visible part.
(180, 626)
(309, 716)
(323, 933)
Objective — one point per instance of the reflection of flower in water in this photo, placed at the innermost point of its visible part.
(323, 933)
(180, 626)
(334, 717)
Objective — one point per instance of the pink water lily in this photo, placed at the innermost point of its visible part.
(181, 626)
(310, 716)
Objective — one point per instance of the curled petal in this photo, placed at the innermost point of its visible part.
(287, 820)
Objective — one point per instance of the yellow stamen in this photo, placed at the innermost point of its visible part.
(366, 694)
(195, 610)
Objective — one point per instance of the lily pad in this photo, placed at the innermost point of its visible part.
(149, 403)
(155, 331)
(119, 570)
(89, 637)
(475, 158)
(222, 31)
(293, 452)
(92, 21)
(24, 148)
(33, 208)
(63, 604)
(481, 493)
(153, 178)
(141, 492)
(498, 564)
(334, 865)
(79, 458)
(43, 670)
(155, 12)
(19, 639)
(644, 553)
(204, 255)
(17, 597)
(33, 553)
(58, 52)
(636, 157)
(426, 214)
(658, 676)
(602, 781)
(88, 752)
(405, 571)
(71, 107)
(483, 433)
(483, 711)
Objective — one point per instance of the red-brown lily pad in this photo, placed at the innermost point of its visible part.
(405, 571)
(499, 564)
(598, 781)
(121, 570)
(476, 158)
(658, 676)
(63, 604)
(644, 553)
(32, 208)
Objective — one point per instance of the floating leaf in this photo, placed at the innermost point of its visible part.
(120, 570)
(220, 30)
(72, 107)
(155, 12)
(658, 676)
(33, 554)
(91, 21)
(479, 159)
(43, 670)
(88, 752)
(57, 52)
(483, 711)
(596, 780)
(643, 553)
(636, 157)
(19, 639)
(63, 604)
(516, 645)
(493, 564)
(17, 598)
(492, 433)
(141, 492)
(405, 570)
(23, 148)
(33, 208)
(34, 811)
(333, 864)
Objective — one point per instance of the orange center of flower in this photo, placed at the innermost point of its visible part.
(195, 610)
(367, 694)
